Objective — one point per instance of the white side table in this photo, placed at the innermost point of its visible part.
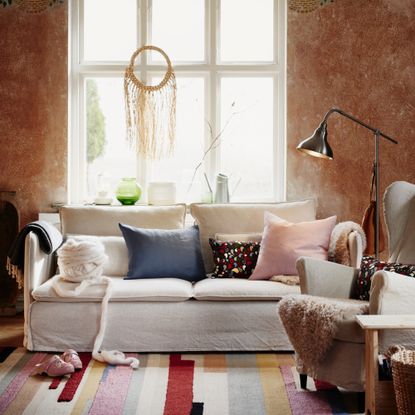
(371, 324)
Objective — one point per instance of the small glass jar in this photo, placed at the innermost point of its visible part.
(128, 191)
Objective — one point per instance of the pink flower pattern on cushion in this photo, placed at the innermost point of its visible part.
(284, 242)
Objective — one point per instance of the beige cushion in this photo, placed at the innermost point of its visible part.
(150, 289)
(116, 250)
(243, 218)
(237, 289)
(104, 220)
(240, 237)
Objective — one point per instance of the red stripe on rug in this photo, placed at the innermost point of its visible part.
(19, 380)
(304, 402)
(179, 386)
(112, 391)
(73, 382)
(55, 383)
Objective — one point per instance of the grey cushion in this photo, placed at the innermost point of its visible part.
(160, 253)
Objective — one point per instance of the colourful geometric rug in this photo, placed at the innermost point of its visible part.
(175, 384)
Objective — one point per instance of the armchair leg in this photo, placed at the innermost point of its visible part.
(361, 402)
(303, 381)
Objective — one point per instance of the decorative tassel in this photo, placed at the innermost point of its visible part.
(15, 273)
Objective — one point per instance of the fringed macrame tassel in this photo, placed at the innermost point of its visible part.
(150, 110)
(15, 272)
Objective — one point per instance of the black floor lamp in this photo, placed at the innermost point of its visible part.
(318, 146)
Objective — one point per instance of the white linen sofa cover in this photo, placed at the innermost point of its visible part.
(158, 314)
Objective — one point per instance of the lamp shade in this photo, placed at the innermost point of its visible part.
(317, 145)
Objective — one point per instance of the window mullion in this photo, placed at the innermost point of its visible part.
(212, 165)
(142, 165)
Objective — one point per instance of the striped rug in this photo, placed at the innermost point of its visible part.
(175, 384)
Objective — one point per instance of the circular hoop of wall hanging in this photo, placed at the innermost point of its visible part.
(130, 69)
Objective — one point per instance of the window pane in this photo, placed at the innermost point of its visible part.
(246, 30)
(177, 27)
(190, 127)
(247, 110)
(110, 31)
(108, 153)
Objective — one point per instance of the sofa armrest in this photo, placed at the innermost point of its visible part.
(325, 279)
(392, 293)
(38, 268)
(355, 244)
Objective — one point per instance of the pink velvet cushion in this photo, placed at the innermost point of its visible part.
(284, 242)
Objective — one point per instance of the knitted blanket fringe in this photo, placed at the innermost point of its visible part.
(49, 241)
(311, 323)
(82, 263)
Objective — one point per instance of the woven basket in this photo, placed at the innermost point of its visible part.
(403, 371)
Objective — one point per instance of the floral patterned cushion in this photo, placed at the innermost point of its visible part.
(234, 259)
(369, 266)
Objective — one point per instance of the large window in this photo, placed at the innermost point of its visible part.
(229, 60)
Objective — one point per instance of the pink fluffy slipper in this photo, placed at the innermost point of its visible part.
(71, 356)
(54, 366)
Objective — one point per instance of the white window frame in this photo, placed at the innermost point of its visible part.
(211, 69)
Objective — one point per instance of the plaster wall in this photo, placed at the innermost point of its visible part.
(33, 107)
(358, 56)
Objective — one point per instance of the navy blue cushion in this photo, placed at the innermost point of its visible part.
(160, 253)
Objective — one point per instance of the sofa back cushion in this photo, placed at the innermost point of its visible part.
(116, 250)
(104, 220)
(235, 218)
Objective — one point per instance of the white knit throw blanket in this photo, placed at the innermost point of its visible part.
(311, 324)
(82, 262)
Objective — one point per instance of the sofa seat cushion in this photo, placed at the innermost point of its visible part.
(235, 289)
(155, 289)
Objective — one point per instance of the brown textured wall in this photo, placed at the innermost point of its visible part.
(358, 56)
(33, 107)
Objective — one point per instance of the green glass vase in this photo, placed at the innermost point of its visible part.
(128, 191)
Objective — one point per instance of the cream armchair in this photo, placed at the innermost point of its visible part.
(390, 293)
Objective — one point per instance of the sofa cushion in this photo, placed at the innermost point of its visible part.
(103, 220)
(241, 237)
(234, 218)
(166, 289)
(284, 242)
(236, 289)
(154, 253)
(116, 250)
(234, 259)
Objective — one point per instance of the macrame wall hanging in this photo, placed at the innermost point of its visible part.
(150, 110)
(306, 6)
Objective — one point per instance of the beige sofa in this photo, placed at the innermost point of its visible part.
(158, 314)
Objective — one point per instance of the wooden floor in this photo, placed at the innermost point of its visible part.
(11, 331)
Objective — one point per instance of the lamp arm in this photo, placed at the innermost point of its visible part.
(345, 114)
